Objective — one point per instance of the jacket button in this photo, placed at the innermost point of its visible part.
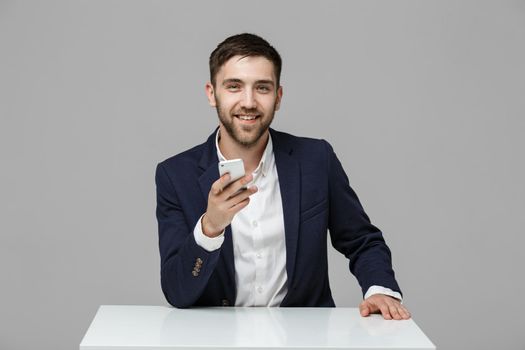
(225, 302)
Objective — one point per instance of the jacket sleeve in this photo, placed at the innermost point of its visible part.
(185, 266)
(353, 234)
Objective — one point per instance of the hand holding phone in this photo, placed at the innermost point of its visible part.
(228, 195)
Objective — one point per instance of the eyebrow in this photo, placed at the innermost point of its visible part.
(270, 82)
(239, 81)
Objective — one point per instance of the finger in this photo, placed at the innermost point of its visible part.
(218, 186)
(364, 309)
(385, 311)
(373, 307)
(404, 312)
(236, 185)
(238, 206)
(241, 193)
(241, 196)
(393, 308)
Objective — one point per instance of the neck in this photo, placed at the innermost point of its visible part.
(251, 156)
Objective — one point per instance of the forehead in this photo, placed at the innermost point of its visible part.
(247, 68)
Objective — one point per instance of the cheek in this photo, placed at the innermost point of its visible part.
(269, 103)
(226, 103)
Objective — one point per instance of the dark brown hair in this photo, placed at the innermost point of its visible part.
(244, 45)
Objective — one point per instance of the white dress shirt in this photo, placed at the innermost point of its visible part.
(259, 250)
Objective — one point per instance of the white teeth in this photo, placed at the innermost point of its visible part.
(247, 117)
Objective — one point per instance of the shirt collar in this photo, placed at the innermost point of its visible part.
(264, 164)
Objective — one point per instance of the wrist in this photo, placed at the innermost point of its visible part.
(208, 229)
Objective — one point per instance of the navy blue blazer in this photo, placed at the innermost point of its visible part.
(316, 198)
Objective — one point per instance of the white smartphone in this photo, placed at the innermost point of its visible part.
(234, 166)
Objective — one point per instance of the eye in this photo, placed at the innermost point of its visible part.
(263, 88)
(233, 87)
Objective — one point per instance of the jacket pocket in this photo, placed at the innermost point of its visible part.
(314, 210)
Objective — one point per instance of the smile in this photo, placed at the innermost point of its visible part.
(246, 117)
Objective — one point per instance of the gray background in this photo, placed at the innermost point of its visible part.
(423, 102)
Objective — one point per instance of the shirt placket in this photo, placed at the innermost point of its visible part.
(259, 286)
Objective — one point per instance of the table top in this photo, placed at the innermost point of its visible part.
(119, 327)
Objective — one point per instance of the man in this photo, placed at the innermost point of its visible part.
(261, 240)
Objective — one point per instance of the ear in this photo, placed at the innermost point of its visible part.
(279, 97)
(210, 93)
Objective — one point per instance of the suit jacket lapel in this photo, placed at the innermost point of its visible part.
(289, 173)
(209, 164)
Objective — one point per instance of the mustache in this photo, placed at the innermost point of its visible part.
(254, 111)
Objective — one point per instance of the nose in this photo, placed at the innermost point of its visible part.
(248, 99)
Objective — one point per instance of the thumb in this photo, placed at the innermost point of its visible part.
(364, 309)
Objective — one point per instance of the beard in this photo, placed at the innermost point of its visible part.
(245, 135)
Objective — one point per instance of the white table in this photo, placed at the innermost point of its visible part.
(119, 327)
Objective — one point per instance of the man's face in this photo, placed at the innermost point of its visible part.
(246, 97)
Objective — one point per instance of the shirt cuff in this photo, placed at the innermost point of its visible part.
(208, 243)
(383, 290)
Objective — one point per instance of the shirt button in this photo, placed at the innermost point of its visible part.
(254, 223)
(259, 255)
(259, 289)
